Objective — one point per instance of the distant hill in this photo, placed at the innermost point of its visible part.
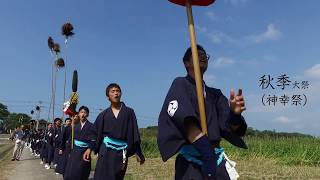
(269, 133)
(152, 131)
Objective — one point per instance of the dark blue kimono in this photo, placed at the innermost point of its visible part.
(39, 143)
(180, 104)
(77, 168)
(57, 142)
(43, 146)
(33, 138)
(110, 164)
(65, 146)
(50, 145)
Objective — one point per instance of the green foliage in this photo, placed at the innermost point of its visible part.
(268, 133)
(11, 120)
(3, 111)
(3, 115)
(16, 119)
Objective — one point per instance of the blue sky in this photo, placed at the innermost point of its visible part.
(139, 44)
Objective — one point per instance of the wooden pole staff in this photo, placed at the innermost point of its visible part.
(197, 73)
(195, 58)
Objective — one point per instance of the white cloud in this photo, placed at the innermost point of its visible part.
(201, 29)
(283, 120)
(236, 2)
(210, 79)
(258, 62)
(223, 61)
(215, 36)
(272, 33)
(313, 72)
(219, 37)
(212, 16)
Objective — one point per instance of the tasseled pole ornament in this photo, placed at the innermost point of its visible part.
(50, 43)
(60, 63)
(66, 31)
(56, 48)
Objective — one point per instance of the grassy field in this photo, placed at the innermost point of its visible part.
(4, 149)
(267, 157)
(5, 146)
(258, 168)
(276, 157)
(300, 150)
(284, 151)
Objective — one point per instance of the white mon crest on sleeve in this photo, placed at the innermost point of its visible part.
(172, 107)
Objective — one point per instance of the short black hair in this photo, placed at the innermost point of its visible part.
(84, 108)
(110, 86)
(67, 119)
(188, 53)
(57, 119)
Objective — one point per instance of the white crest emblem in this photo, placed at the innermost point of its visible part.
(172, 107)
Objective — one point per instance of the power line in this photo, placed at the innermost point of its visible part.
(93, 111)
(23, 101)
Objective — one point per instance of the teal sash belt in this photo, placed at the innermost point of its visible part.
(192, 155)
(114, 143)
(81, 144)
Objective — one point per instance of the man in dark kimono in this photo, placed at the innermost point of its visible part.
(33, 139)
(118, 137)
(79, 165)
(39, 143)
(50, 145)
(65, 147)
(57, 141)
(199, 156)
(44, 146)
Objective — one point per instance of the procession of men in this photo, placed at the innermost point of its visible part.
(114, 136)
(193, 120)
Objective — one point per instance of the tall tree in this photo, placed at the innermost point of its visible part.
(16, 119)
(4, 113)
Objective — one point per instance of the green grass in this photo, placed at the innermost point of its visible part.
(5, 146)
(267, 157)
(284, 150)
(149, 144)
(5, 150)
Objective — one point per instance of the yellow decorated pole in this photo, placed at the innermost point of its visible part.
(70, 106)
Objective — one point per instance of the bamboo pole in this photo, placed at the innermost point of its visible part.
(198, 77)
